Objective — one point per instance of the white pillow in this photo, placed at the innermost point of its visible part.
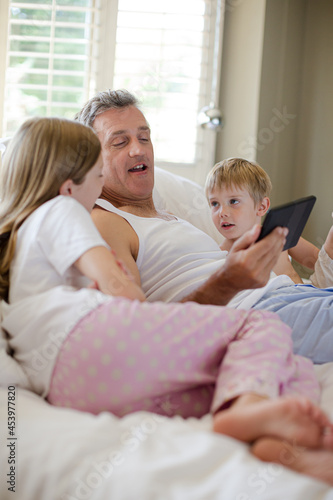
(185, 199)
(11, 372)
(4, 141)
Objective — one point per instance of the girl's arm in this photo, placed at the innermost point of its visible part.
(305, 253)
(111, 277)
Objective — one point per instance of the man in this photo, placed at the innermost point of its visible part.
(174, 261)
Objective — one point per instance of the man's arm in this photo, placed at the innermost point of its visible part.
(121, 238)
(248, 265)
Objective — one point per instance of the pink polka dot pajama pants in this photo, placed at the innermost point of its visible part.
(176, 359)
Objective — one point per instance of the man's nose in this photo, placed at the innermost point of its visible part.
(136, 148)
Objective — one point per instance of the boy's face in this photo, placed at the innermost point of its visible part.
(234, 211)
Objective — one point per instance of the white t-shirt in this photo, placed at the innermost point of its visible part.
(175, 258)
(46, 295)
(323, 271)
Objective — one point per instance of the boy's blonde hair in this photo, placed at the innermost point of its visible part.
(42, 155)
(239, 173)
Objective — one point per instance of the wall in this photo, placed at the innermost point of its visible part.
(278, 113)
(314, 147)
(240, 75)
(277, 81)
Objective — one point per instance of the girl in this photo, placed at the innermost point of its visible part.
(105, 348)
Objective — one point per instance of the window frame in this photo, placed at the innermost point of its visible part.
(106, 44)
(4, 9)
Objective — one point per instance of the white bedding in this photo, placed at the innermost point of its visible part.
(67, 455)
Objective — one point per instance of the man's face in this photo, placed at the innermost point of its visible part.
(128, 156)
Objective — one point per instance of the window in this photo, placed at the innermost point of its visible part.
(60, 52)
(50, 59)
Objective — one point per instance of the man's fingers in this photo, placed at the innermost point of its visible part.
(268, 250)
(275, 240)
(252, 262)
(247, 239)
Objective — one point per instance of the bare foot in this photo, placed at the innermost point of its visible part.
(295, 420)
(315, 463)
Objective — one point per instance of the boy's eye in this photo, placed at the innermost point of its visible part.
(234, 202)
(214, 204)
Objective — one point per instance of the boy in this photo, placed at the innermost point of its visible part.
(238, 194)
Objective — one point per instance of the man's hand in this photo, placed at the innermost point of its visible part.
(248, 265)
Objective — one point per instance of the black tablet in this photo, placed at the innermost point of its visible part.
(292, 215)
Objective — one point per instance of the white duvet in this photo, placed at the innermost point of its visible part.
(68, 455)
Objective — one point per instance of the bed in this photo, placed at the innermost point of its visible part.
(58, 453)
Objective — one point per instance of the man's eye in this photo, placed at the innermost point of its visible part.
(118, 144)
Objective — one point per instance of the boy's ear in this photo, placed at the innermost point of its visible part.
(263, 206)
(66, 188)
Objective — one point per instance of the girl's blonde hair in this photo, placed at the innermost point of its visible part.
(240, 173)
(42, 155)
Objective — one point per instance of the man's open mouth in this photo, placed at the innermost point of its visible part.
(138, 168)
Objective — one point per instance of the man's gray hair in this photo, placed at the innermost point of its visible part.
(103, 101)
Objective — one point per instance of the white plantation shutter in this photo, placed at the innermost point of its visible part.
(164, 53)
(51, 58)
(60, 52)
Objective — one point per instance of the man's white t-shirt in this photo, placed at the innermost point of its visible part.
(47, 297)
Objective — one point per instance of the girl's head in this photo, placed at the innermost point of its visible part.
(237, 191)
(43, 154)
(46, 157)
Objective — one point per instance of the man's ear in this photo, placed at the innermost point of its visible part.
(263, 206)
(66, 188)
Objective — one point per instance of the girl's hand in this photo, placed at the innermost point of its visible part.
(93, 286)
(122, 266)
